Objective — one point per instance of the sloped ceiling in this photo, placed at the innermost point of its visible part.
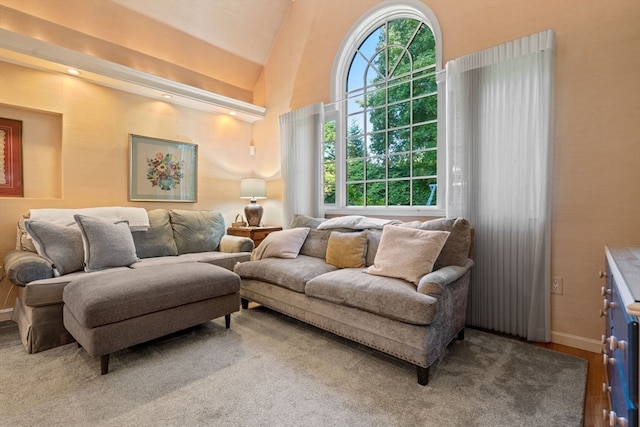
(220, 46)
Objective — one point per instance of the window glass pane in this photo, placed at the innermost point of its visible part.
(330, 184)
(376, 68)
(401, 31)
(399, 140)
(377, 98)
(355, 170)
(355, 146)
(399, 193)
(355, 78)
(376, 168)
(370, 45)
(425, 136)
(395, 55)
(356, 124)
(425, 163)
(376, 144)
(423, 48)
(399, 166)
(355, 194)
(399, 114)
(376, 194)
(425, 109)
(376, 119)
(425, 85)
(425, 192)
(399, 92)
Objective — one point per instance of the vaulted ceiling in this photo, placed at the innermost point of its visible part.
(219, 46)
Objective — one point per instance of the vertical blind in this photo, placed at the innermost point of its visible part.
(499, 149)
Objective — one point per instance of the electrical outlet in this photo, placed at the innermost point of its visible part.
(556, 285)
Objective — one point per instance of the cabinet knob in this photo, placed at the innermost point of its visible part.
(602, 274)
(614, 343)
(604, 291)
(606, 388)
(607, 360)
(606, 305)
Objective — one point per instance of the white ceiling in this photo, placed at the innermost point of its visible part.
(247, 28)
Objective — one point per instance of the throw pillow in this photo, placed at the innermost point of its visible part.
(347, 250)
(347, 221)
(157, 240)
(300, 220)
(197, 231)
(281, 244)
(407, 253)
(60, 245)
(456, 250)
(106, 244)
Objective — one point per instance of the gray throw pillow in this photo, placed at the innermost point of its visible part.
(158, 240)
(60, 245)
(106, 245)
(197, 231)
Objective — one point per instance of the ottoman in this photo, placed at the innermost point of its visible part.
(109, 312)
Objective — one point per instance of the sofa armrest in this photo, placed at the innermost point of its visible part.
(233, 244)
(23, 267)
(434, 282)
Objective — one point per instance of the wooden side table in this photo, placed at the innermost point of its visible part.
(257, 234)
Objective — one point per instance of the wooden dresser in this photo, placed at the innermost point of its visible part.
(621, 307)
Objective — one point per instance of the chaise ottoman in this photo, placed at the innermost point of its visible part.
(109, 312)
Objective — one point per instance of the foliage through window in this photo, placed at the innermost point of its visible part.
(390, 121)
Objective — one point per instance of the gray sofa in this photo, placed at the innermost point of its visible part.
(351, 277)
(174, 237)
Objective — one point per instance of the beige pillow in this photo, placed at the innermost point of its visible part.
(281, 244)
(407, 253)
(347, 250)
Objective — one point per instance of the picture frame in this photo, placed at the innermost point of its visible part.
(11, 183)
(162, 170)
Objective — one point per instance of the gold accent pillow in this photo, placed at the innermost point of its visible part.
(407, 253)
(347, 250)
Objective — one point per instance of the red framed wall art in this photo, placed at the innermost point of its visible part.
(10, 157)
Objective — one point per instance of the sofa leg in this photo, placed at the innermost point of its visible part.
(461, 335)
(227, 321)
(245, 303)
(104, 364)
(423, 375)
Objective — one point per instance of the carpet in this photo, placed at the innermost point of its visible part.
(270, 370)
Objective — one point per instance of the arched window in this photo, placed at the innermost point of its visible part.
(382, 139)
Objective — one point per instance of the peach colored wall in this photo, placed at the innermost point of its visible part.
(90, 153)
(596, 197)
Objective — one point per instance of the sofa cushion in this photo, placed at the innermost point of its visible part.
(289, 273)
(300, 220)
(407, 253)
(60, 245)
(196, 231)
(157, 240)
(456, 249)
(392, 298)
(106, 245)
(281, 244)
(315, 244)
(347, 250)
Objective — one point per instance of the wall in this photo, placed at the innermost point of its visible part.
(76, 148)
(596, 196)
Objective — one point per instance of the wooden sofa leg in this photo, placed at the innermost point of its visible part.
(104, 364)
(245, 303)
(461, 335)
(423, 375)
(227, 321)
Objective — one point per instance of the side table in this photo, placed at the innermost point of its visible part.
(257, 234)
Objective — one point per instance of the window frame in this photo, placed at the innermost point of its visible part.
(336, 111)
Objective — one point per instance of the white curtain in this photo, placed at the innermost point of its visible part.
(301, 139)
(499, 150)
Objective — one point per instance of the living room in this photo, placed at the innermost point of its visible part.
(76, 133)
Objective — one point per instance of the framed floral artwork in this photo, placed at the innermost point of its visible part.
(162, 170)
(10, 158)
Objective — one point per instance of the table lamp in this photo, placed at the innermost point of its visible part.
(253, 188)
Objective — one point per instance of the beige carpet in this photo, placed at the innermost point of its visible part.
(269, 370)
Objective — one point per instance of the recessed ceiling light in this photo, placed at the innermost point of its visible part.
(73, 71)
(166, 96)
(232, 113)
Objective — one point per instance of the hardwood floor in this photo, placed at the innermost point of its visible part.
(595, 399)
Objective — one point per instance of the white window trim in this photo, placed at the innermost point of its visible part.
(391, 9)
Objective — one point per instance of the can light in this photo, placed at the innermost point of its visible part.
(73, 71)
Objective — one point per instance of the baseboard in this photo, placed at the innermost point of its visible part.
(582, 343)
(5, 314)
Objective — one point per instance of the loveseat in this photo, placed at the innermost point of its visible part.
(59, 256)
(398, 287)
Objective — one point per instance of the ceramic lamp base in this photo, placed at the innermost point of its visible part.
(253, 213)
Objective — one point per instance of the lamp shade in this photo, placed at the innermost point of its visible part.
(253, 188)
